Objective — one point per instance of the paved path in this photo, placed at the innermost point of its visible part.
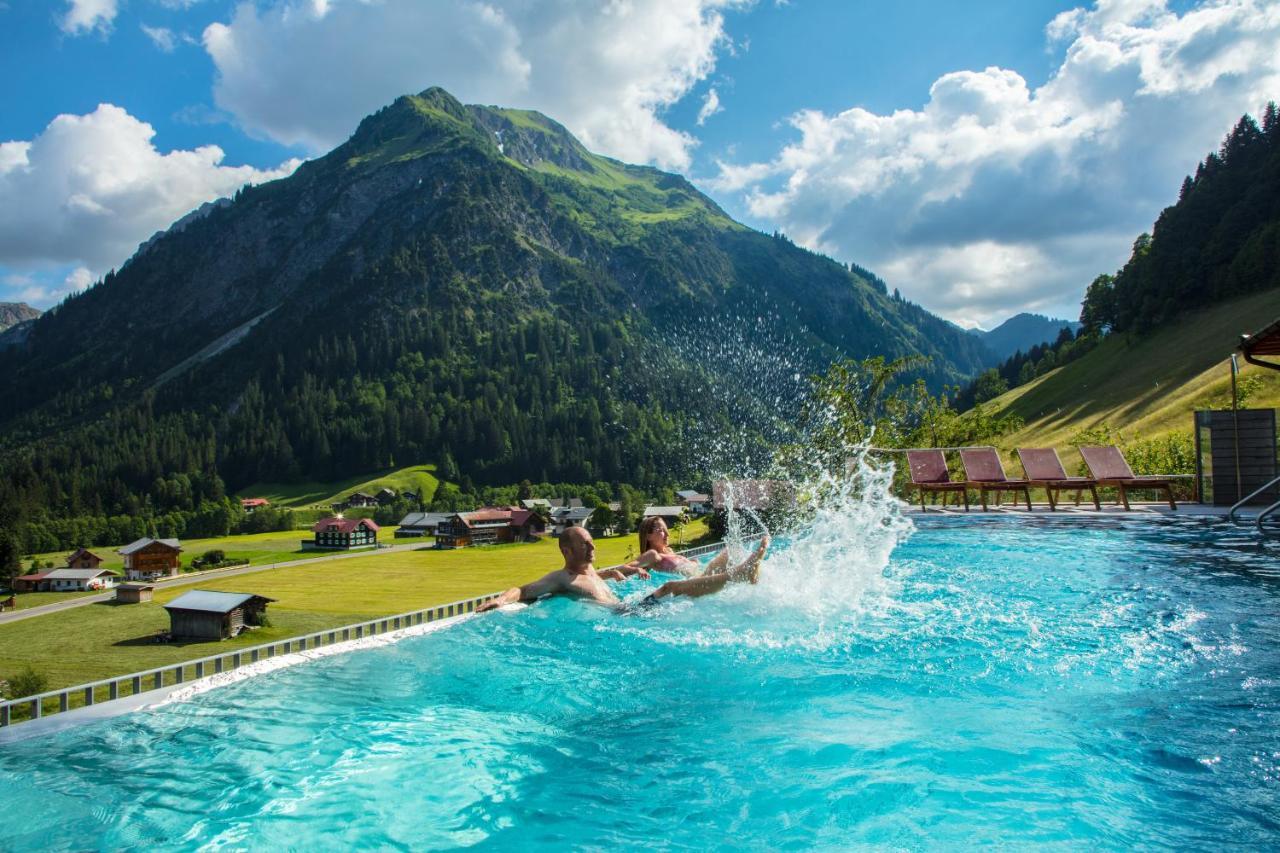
(198, 577)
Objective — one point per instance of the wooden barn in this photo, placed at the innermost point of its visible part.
(134, 593)
(206, 615)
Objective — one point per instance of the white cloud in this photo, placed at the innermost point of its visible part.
(995, 197)
(162, 37)
(85, 16)
(710, 106)
(90, 188)
(306, 71)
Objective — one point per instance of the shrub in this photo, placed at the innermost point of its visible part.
(27, 683)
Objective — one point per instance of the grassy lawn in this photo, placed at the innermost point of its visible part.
(260, 549)
(28, 600)
(100, 640)
(416, 478)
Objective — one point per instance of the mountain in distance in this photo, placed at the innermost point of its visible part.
(13, 313)
(461, 284)
(1021, 332)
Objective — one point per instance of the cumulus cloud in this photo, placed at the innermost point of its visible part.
(996, 197)
(85, 16)
(710, 106)
(304, 72)
(88, 189)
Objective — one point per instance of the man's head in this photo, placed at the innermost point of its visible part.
(578, 548)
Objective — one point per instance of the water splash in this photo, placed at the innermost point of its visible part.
(836, 539)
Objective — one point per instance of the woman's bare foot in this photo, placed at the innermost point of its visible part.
(749, 569)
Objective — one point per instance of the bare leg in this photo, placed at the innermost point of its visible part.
(749, 570)
(718, 563)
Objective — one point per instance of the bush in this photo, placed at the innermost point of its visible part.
(27, 683)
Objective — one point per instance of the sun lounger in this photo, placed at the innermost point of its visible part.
(929, 474)
(1109, 468)
(984, 471)
(1044, 471)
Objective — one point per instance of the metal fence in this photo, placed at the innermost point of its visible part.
(123, 686)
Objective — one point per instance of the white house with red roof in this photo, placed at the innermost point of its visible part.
(344, 534)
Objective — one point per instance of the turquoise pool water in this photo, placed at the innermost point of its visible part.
(1007, 682)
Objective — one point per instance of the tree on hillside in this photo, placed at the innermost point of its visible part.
(10, 559)
(989, 386)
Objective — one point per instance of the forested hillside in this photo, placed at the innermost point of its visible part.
(461, 285)
(1220, 241)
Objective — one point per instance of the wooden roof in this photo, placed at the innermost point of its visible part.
(1264, 342)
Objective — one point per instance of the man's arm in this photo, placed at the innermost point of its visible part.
(546, 585)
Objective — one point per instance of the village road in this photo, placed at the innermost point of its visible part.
(198, 577)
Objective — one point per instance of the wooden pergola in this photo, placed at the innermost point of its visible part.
(1265, 342)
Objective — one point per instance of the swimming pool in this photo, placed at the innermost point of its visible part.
(1005, 681)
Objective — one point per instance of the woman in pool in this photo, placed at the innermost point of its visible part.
(656, 554)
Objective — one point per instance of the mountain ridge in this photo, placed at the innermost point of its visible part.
(452, 281)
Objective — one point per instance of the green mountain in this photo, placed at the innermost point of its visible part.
(460, 284)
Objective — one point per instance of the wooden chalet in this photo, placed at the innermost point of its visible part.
(344, 534)
(83, 558)
(250, 504)
(206, 615)
(150, 559)
(360, 499)
(385, 496)
(489, 526)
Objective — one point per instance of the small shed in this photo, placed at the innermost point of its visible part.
(207, 615)
(134, 593)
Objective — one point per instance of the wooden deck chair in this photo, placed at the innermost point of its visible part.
(1109, 468)
(929, 474)
(984, 471)
(1044, 471)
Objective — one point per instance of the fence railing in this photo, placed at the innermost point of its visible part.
(136, 683)
(159, 678)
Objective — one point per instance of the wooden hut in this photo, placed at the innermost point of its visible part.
(207, 615)
(134, 593)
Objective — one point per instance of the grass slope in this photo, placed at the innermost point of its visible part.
(320, 495)
(101, 640)
(1145, 386)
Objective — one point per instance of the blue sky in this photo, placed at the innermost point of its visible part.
(985, 157)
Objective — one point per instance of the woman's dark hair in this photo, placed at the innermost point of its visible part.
(646, 527)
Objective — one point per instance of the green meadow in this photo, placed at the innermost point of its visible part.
(260, 549)
(105, 639)
(416, 478)
(1145, 385)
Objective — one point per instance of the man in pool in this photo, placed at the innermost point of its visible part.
(580, 579)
